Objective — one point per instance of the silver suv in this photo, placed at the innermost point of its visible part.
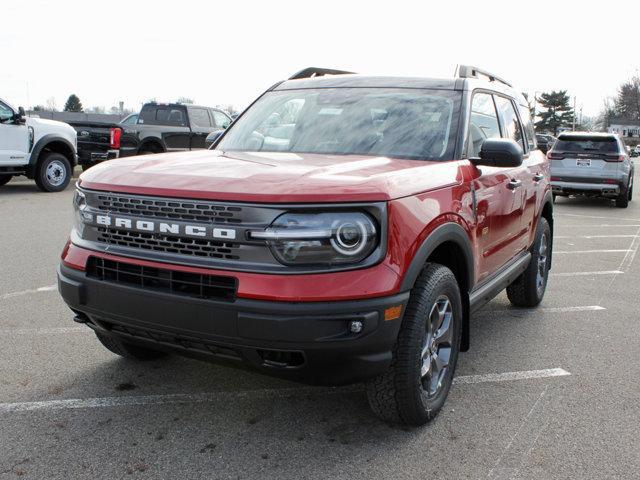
(593, 164)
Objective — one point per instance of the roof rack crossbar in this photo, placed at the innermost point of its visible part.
(468, 71)
(317, 72)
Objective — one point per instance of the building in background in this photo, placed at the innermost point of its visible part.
(624, 127)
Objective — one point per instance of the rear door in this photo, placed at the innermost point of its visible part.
(586, 158)
(201, 126)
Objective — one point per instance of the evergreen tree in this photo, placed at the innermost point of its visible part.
(557, 111)
(73, 104)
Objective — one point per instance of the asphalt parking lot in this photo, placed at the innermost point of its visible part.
(550, 393)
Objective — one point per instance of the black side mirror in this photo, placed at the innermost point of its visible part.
(213, 137)
(499, 152)
(19, 117)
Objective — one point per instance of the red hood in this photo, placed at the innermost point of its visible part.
(270, 177)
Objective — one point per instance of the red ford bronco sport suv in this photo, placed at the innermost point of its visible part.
(343, 229)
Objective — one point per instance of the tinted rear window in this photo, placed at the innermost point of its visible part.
(587, 145)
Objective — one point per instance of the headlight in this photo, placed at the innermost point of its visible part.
(80, 215)
(328, 238)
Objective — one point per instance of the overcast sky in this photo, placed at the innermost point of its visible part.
(229, 52)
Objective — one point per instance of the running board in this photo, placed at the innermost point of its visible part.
(492, 287)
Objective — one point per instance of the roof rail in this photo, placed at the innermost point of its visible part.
(468, 71)
(317, 72)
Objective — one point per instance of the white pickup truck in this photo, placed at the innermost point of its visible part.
(43, 150)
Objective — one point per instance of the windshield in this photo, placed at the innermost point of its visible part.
(402, 123)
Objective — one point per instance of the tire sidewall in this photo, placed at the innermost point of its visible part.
(543, 227)
(42, 180)
(426, 298)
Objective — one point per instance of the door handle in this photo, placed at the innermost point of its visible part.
(538, 177)
(513, 184)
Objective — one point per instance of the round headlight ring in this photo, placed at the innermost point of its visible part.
(344, 247)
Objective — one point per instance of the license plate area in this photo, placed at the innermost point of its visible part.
(583, 162)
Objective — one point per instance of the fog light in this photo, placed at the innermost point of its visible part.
(356, 326)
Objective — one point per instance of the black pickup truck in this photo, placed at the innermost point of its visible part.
(160, 128)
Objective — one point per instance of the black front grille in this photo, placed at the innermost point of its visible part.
(168, 243)
(163, 280)
(170, 208)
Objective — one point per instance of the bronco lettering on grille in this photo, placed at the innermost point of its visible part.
(199, 231)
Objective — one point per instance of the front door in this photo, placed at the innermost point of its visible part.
(14, 139)
(499, 193)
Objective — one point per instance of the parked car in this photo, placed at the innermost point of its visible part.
(159, 128)
(545, 141)
(343, 229)
(636, 151)
(592, 164)
(42, 150)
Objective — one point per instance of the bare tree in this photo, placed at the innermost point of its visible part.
(51, 104)
(185, 100)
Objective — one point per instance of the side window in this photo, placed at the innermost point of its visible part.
(483, 123)
(199, 117)
(510, 121)
(5, 112)
(171, 116)
(527, 123)
(148, 115)
(220, 119)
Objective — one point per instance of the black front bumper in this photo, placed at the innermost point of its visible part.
(309, 342)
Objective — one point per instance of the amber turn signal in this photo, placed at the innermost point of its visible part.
(392, 313)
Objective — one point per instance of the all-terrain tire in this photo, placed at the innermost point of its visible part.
(53, 172)
(528, 289)
(128, 350)
(399, 395)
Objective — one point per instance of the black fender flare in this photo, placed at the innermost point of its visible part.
(149, 140)
(547, 202)
(43, 142)
(447, 232)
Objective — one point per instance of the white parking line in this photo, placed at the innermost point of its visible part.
(608, 225)
(593, 236)
(585, 274)
(511, 376)
(43, 331)
(591, 251)
(226, 397)
(585, 308)
(598, 217)
(48, 288)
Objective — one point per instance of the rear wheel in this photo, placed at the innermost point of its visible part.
(128, 350)
(623, 200)
(4, 179)
(415, 386)
(53, 173)
(528, 289)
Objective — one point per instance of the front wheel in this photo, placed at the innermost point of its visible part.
(528, 289)
(53, 173)
(415, 386)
